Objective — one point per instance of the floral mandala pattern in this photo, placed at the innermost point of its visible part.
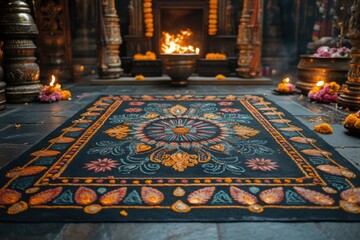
(140, 158)
(178, 137)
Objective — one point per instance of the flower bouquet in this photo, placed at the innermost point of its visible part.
(327, 93)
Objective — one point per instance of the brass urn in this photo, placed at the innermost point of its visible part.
(314, 69)
(179, 67)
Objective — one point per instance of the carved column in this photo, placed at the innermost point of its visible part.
(18, 30)
(249, 39)
(109, 63)
(84, 43)
(136, 17)
(229, 26)
(52, 17)
(350, 97)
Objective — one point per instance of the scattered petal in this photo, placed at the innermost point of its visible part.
(45, 196)
(201, 196)
(17, 208)
(151, 196)
(242, 197)
(314, 197)
(179, 192)
(272, 196)
(350, 207)
(180, 206)
(9, 196)
(85, 196)
(92, 209)
(351, 195)
(113, 197)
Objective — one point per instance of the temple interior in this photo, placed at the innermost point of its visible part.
(284, 50)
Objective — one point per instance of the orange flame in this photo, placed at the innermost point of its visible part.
(286, 80)
(320, 83)
(52, 80)
(172, 43)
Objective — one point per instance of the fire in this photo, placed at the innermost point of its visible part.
(320, 83)
(172, 43)
(52, 80)
(286, 80)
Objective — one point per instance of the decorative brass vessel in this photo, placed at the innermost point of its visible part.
(179, 67)
(313, 69)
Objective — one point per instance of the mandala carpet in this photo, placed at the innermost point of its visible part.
(182, 158)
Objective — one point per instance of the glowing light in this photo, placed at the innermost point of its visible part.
(52, 80)
(320, 83)
(286, 80)
(172, 43)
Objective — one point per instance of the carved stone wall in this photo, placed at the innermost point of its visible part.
(55, 46)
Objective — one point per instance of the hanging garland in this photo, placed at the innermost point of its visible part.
(148, 18)
(213, 7)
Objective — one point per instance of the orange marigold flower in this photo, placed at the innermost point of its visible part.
(357, 123)
(220, 77)
(324, 128)
(334, 88)
(65, 95)
(139, 77)
(351, 120)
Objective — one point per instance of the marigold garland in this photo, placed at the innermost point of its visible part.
(147, 56)
(148, 18)
(213, 6)
(215, 56)
(324, 128)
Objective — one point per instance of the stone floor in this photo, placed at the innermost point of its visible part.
(38, 120)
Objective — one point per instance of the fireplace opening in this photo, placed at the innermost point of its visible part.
(174, 21)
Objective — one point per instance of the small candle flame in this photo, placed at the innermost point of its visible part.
(52, 80)
(286, 80)
(319, 83)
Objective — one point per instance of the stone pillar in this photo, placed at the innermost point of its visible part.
(109, 63)
(84, 43)
(22, 73)
(350, 97)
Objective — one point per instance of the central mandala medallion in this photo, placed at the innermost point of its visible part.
(181, 131)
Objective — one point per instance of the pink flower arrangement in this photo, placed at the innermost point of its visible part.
(328, 52)
(49, 94)
(327, 94)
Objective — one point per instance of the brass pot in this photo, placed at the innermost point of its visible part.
(179, 67)
(313, 69)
